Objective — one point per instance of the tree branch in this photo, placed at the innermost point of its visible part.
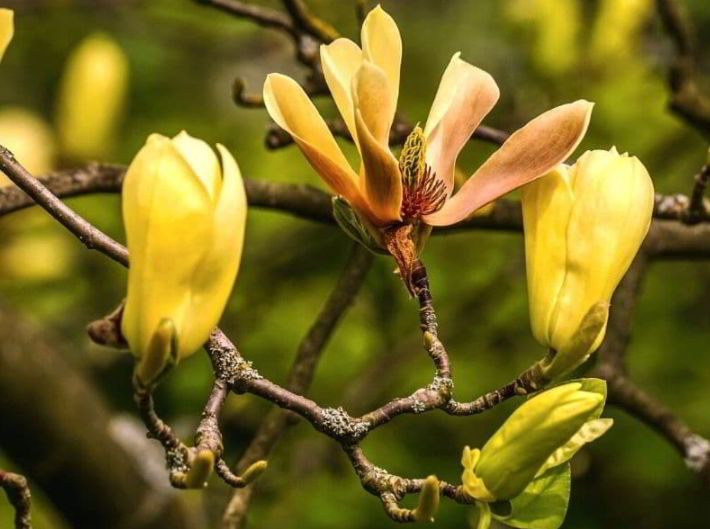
(300, 375)
(686, 99)
(668, 238)
(18, 493)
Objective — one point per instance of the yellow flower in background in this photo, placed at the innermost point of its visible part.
(91, 96)
(364, 83)
(583, 226)
(616, 25)
(545, 431)
(7, 29)
(185, 218)
(29, 138)
(554, 27)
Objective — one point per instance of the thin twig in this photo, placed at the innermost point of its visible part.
(310, 23)
(262, 16)
(300, 375)
(92, 238)
(18, 493)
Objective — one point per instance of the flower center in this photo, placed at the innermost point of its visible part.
(422, 192)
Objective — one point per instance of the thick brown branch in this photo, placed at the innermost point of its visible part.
(611, 366)
(61, 434)
(667, 237)
(18, 493)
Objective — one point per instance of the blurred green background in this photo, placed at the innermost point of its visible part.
(183, 59)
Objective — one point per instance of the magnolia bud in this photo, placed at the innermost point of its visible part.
(92, 94)
(583, 226)
(184, 219)
(532, 434)
(29, 138)
(7, 29)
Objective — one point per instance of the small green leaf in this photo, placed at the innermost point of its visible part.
(354, 227)
(543, 503)
(589, 432)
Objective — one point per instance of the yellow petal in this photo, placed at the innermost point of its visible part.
(341, 59)
(382, 45)
(201, 159)
(289, 106)
(465, 96)
(547, 204)
(371, 96)
(529, 153)
(168, 220)
(215, 276)
(7, 29)
(381, 181)
(609, 220)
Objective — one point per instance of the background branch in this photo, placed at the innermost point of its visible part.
(300, 375)
(687, 101)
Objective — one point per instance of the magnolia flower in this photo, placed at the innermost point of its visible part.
(184, 217)
(417, 188)
(7, 29)
(544, 432)
(583, 226)
(91, 97)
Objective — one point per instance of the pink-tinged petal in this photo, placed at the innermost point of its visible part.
(381, 182)
(290, 108)
(341, 59)
(465, 96)
(529, 153)
(382, 45)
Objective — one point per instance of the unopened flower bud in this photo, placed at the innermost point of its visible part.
(92, 95)
(520, 448)
(583, 226)
(184, 217)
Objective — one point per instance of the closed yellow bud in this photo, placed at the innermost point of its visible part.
(184, 217)
(533, 433)
(583, 226)
(91, 97)
(29, 138)
(7, 29)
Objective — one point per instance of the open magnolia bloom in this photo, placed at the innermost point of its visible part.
(7, 29)
(527, 455)
(184, 216)
(417, 189)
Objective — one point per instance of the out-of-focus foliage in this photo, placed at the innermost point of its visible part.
(183, 59)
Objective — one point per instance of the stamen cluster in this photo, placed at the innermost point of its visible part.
(422, 192)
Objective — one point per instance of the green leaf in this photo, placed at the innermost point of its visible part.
(543, 503)
(592, 430)
(353, 226)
